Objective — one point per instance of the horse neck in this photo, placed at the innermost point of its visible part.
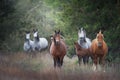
(83, 45)
(86, 44)
(78, 47)
(27, 41)
(36, 39)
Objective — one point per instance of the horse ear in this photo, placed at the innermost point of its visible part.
(61, 33)
(55, 31)
(58, 31)
(27, 32)
(35, 30)
(75, 42)
(51, 35)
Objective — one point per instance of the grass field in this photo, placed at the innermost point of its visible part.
(22, 66)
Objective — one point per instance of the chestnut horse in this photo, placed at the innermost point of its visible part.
(99, 49)
(81, 52)
(58, 49)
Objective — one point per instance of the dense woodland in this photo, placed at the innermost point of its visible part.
(18, 16)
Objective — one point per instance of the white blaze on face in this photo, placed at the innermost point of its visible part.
(35, 34)
(57, 40)
(28, 36)
(81, 34)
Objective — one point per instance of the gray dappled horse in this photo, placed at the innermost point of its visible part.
(28, 44)
(84, 42)
(39, 43)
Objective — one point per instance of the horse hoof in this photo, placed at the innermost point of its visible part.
(104, 71)
(94, 68)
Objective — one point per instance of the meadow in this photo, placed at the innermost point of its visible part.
(39, 66)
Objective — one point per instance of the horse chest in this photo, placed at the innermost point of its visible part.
(82, 52)
(99, 51)
(57, 49)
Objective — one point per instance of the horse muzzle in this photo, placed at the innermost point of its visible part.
(82, 40)
(99, 44)
(57, 42)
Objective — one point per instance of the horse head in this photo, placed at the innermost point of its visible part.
(100, 38)
(35, 35)
(27, 35)
(57, 37)
(82, 35)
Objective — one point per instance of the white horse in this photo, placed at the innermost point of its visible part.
(83, 41)
(28, 44)
(39, 43)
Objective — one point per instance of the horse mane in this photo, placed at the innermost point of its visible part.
(38, 38)
(54, 39)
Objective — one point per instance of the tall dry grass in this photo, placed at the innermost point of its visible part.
(22, 66)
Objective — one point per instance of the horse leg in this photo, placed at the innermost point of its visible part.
(54, 62)
(95, 61)
(102, 62)
(85, 60)
(58, 62)
(79, 60)
(61, 61)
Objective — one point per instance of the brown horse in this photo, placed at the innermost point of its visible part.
(99, 49)
(58, 49)
(81, 53)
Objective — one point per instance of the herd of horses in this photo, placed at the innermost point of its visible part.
(84, 47)
(37, 44)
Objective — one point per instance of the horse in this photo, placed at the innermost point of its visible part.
(28, 44)
(99, 49)
(58, 49)
(84, 42)
(39, 43)
(81, 52)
